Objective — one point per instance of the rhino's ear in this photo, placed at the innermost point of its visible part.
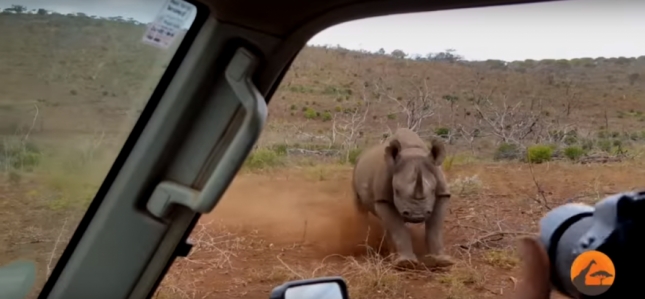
(437, 152)
(392, 151)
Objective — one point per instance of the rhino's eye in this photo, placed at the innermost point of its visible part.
(396, 192)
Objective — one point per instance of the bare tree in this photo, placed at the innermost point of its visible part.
(417, 104)
(470, 132)
(347, 126)
(571, 97)
(453, 130)
(560, 127)
(555, 132)
(510, 123)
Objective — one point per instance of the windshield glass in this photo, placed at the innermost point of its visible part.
(75, 77)
(535, 106)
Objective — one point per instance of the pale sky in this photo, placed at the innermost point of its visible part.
(556, 30)
(563, 29)
(143, 11)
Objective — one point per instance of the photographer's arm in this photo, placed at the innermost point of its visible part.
(535, 283)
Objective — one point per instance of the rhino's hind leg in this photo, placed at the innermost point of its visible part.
(398, 234)
(358, 204)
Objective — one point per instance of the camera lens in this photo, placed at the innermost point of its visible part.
(587, 246)
(561, 231)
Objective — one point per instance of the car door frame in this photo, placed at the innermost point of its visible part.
(140, 246)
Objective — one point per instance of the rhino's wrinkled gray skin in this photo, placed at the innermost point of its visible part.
(402, 181)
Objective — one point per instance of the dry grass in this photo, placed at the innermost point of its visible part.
(214, 248)
(324, 172)
(466, 186)
(370, 276)
(462, 282)
(502, 259)
(374, 277)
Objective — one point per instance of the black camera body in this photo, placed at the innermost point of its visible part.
(613, 226)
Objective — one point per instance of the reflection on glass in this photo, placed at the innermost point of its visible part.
(75, 77)
(325, 290)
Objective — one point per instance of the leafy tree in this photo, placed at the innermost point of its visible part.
(398, 54)
(16, 9)
(449, 55)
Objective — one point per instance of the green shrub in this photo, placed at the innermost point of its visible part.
(442, 132)
(574, 152)
(605, 145)
(264, 158)
(310, 113)
(539, 153)
(28, 161)
(280, 149)
(326, 116)
(507, 151)
(19, 156)
(352, 156)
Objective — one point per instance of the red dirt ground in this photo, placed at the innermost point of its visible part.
(296, 223)
(290, 220)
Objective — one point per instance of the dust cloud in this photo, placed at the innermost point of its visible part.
(289, 209)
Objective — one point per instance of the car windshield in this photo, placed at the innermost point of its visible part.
(455, 131)
(535, 105)
(75, 77)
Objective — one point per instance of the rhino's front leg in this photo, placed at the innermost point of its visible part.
(434, 226)
(434, 235)
(399, 234)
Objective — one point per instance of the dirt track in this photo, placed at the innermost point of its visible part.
(290, 209)
(289, 224)
(296, 223)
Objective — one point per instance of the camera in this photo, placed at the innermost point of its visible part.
(594, 251)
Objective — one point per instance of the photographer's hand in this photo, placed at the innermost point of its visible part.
(535, 281)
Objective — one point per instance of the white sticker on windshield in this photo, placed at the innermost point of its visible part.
(171, 21)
